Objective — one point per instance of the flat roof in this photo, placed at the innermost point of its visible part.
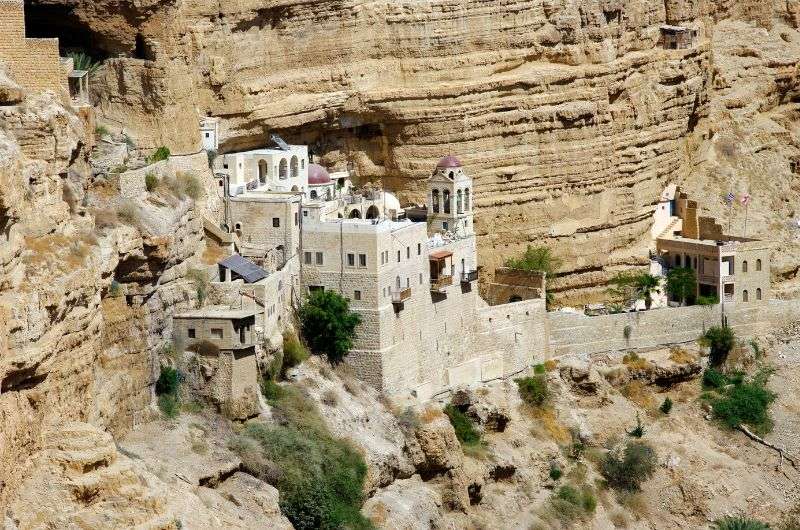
(226, 314)
(440, 254)
(669, 27)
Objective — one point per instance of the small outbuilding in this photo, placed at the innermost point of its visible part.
(677, 37)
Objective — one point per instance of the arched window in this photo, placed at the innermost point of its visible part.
(328, 194)
(295, 167)
(373, 212)
(758, 265)
(397, 283)
(677, 260)
(283, 169)
(451, 175)
(435, 200)
(262, 171)
(744, 266)
(313, 194)
(744, 296)
(446, 201)
(758, 293)
(466, 199)
(459, 202)
(302, 163)
(355, 214)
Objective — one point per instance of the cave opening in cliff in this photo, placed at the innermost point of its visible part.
(58, 21)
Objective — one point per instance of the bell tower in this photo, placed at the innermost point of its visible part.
(450, 199)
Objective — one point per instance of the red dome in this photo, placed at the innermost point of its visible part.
(318, 175)
(449, 161)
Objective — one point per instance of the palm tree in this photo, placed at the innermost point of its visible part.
(647, 285)
(682, 283)
(632, 286)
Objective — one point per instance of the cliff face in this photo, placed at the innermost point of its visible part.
(569, 115)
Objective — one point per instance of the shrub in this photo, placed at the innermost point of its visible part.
(294, 352)
(168, 381)
(720, 341)
(533, 390)
(212, 155)
(626, 468)
(555, 471)
(201, 284)
(465, 430)
(714, 379)
(162, 153)
(115, 289)
(738, 523)
(638, 431)
(626, 331)
(271, 391)
(328, 324)
(169, 406)
(570, 503)
(536, 259)
(708, 300)
(150, 181)
(745, 403)
(190, 185)
(83, 61)
(204, 347)
(101, 130)
(666, 406)
(320, 478)
(128, 213)
(539, 369)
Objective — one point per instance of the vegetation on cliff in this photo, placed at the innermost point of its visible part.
(328, 324)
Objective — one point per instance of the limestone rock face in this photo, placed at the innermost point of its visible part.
(407, 504)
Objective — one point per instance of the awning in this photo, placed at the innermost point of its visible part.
(440, 254)
(244, 268)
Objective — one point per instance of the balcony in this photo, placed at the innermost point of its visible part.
(439, 284)
(469, 277)
(728, 278)
(398, 297)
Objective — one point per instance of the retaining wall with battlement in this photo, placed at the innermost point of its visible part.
(577, 334)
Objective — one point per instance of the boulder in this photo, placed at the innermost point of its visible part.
(407, 504)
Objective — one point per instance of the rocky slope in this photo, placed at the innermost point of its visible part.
(570, 116)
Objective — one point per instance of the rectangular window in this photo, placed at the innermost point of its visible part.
(357, 295)
(445, 226)
(295, 219)
(307, 258)
(398, 256)
(216, 333)
(408, 252)
(225, 165)
(276, 222)
(305, 213)
(384, 292)
(408, 281)
(362, 260)
(191, 333)
(351, 260)
(319, 258)
(420, 278)
(419, 249)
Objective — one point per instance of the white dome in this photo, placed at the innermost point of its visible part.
(390, 201)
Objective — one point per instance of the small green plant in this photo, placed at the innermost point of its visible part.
(294, 352)
(707, 300)
(720, 341)
(666, 406)
(162, 153)
(83, 61)
(271, 390)
(555, 471)
(539, 369)
(570, 503)
(201, 284)
(328, 324)
(738, 523)
(626, 331)
(212, 155)
(533, 390)
(115, 289)
(626, 468)
(682, 284)
(536, 259)
(638, 431)
(150, 181)
(168, 381)
(757, 350)
(101, 131)
(713, 379)
(465, 429)
(169, 406)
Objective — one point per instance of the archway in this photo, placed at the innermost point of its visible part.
(435, 201)
(355, 214)
(294, 167)
(283, 169)
(459, 202)
(446, 201)
(515, 298)
(262, 171)
(373, 212)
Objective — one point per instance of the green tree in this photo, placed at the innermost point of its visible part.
(539, 259)
(632, 286)
(682, 283)
(626, 468)
(720, 341)
(328, 324)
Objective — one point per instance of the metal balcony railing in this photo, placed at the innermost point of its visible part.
(438, 284)
(469, 276)
(398, 297)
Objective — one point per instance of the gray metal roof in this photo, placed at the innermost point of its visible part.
(244, 268)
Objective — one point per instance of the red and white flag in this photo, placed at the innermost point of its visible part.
(745, 199)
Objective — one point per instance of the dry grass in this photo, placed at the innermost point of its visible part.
(619, 519)
(350, 382)
(636, 504)
(548, 425)
(430, 414)
(128, 213)
(58, 250)
(550, 365)
(681, 356)
(105, 218)
(330, 398)
(634, 362)
(639, 393)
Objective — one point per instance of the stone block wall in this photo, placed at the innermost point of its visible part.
(33, 63)
(513, 283)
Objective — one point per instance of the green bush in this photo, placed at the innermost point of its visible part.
(294, 352)
(150, 181)
(211, 154)
(745, 403)
(555, 471)
(682, 283)
(115, 289)
(539, 369)
(465, 429)
(570, 503)
(533, 390)
(666, 406)
(162, 153)
(168, 381)
(626, 469)
(328, 324)
(271, 390)
(539, 259)
(720, 341)
(738, 523)
(707, 300)
(101, 130)
(320, 478)
(83, 61)
(169, 405)
(201, 284)
(714, 379)
(638, 431)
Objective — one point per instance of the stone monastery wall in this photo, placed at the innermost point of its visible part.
(578, 334)
(33, 63)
